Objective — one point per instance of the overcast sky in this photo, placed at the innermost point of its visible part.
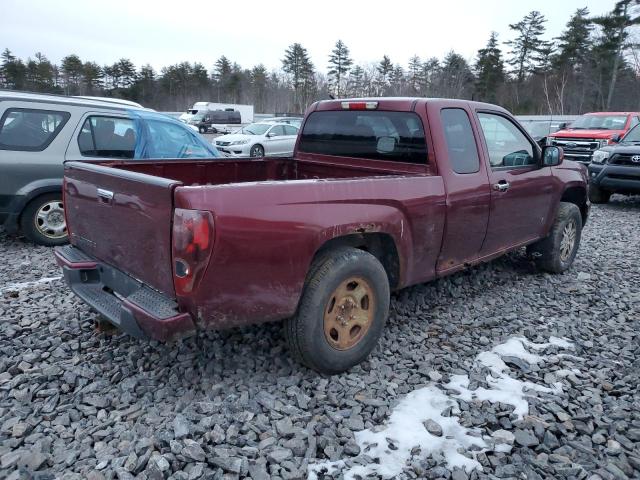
(249, 32)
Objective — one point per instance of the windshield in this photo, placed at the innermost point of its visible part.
(255, 129)
(537, 129)
(600, 122)
(632, 136)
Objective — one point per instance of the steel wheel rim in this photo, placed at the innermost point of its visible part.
(254, 151)
(568, 240)
(49, 220)
(349, 313)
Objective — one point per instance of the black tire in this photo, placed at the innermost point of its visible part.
(305, 331)
(202, 129)
(598, 195)
(256, 151)
(214, 130)
(550, 253)
(33, 228)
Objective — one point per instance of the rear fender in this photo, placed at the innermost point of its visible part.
(359, 234)
(27, 193)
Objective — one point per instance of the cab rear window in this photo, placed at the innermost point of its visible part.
(379, 135)
(29, 129)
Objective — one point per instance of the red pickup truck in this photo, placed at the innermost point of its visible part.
(379, 194)
(591, 132)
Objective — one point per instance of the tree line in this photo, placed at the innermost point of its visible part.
(593, 65)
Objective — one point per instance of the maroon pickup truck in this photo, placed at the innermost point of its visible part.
(379, 194)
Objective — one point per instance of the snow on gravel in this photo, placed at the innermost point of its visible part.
(76, 404)
(16, 287)
(406, 430)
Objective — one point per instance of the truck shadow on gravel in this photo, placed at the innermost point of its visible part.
(260, 351)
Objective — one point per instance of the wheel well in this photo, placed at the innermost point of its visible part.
(380, 245)
(577, 196)
(33, 197)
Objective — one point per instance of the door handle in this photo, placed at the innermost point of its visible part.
(501, 186)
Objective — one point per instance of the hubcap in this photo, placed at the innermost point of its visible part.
(568, 240)
(49, 220)
(349, 313)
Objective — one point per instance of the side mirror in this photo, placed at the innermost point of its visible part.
(616, 138)
(552, 156)
(271, 135)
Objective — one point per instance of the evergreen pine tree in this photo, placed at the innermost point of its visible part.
(339, 65)
(528, 50)
(489, 69)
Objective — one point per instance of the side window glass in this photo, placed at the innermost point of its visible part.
(30, 129)
(463, 152)
(276, 131)
(507, 145)
(174, 141)
(634, 122)
(289, 130)
(107, 137)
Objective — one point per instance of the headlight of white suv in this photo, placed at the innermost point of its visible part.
(239, 142)
(599, 156)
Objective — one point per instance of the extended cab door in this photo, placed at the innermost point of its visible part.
(521, 190)
(466, 183)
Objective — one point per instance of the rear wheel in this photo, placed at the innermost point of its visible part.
(43, 222)
(342, 311)
(556, 252)
(257, 151)
(598, 195)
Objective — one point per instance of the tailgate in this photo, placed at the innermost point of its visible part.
(122, 218)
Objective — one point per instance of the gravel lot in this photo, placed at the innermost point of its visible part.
(75, 403)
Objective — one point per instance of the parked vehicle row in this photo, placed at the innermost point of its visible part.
(591, 132)
(379, 194)
(39, 132)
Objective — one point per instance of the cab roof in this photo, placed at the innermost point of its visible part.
(403, 103)
(612, 113)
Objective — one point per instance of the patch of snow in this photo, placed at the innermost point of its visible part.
(16, 287)
(405, 428)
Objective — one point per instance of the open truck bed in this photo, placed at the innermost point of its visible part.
(264, 213)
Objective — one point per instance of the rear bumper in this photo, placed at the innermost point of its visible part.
(127, 303)
(615, 178)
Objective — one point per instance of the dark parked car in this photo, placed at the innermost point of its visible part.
(378, 195)
(616, 168)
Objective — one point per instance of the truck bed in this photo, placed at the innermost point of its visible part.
(194, 173)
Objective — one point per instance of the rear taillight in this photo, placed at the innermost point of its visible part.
(192, 244)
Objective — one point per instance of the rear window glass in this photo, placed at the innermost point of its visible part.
(463, 152)
(30, 129)
(394, 136)
(107, 137)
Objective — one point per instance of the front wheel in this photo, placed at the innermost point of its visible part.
(202, 129)
(342, 311)
(257, 151)
(555, 253)
(43, 222)
(597, 195)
